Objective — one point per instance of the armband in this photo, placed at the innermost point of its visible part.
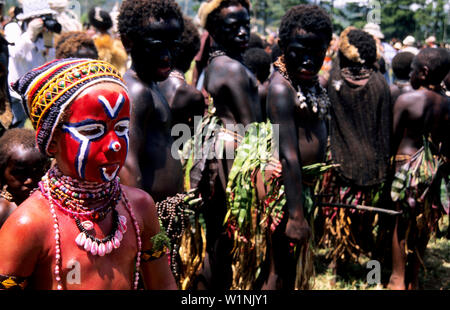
(12, 283)
(161, 245)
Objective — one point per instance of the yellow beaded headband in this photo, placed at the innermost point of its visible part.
(49, 89)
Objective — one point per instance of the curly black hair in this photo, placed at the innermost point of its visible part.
(366, 45)
(311, 18)
(255, 41)
(276, 52)
(213, 18)
(189, 45)
(437, 60)
(136, 15)
(102, 24)
(401, 65)
(258, 61)
(70, 43)
(12, 138)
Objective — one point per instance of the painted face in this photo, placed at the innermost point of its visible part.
(153, 54)
(234, 30)
(94, 139)
(304, 54)
(24, 170)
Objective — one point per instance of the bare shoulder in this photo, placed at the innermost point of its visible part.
(32, 217)
(144, 207)
(412, 97)
(410, 101)
(138, 90)
(187, 90)
(280, 94)
(278, 86)
(6, 208)
(225, 64)
(25, 236)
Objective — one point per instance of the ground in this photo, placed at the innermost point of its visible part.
(435, 276)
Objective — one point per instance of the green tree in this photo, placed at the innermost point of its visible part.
(397, 19)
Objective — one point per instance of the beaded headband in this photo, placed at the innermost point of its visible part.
(48, 90)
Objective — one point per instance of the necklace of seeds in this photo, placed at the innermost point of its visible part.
(316, 97)
(171, 212)
(6, 195)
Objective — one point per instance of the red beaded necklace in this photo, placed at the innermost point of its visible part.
(84, 240)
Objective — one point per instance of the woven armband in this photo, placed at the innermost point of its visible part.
(161, 244)
(12, 283)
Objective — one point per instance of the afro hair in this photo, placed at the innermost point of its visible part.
(258, 61)
(357, 48)
(212, 20)
(13, 138)
(310, 18)
(70, 43)
(401, 65)
(437, 60)
(136, 15)
(100, 19)
(189, 45)
(255, 41)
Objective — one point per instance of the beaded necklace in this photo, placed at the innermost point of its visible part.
(75, 197)
(316, 98)
(89, 243)
(6, 195)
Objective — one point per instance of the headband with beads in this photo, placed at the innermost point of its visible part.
(48, 90)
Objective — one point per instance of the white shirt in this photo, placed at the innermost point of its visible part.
(26, 55)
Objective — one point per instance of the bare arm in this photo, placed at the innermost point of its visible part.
(156, 273)
(228, 82)
(281, 111)
(141, 107)
(22, 236)
(398, 122)
(187, 103)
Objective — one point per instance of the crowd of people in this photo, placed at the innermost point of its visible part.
(301, 140)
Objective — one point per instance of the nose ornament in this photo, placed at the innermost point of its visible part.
(115, 146)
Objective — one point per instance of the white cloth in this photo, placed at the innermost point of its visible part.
(68, 22)
(12, 31)
(411, 49)
(26, 55)
(389, 52)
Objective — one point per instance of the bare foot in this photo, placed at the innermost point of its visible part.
(396, 283)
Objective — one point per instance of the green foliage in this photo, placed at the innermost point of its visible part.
(398, 19)
(160, 240)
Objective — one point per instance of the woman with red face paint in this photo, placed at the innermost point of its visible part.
(82, 229)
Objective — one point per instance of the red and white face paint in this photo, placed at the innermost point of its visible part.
(94, 144)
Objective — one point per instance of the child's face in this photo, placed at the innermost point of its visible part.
(93, 144)
(234, 29)
(304, 54)
(153, 53)
(24, 170)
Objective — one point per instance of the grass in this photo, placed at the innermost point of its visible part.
(352, 276)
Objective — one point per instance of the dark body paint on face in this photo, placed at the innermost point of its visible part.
(150, 164)
(153, 54)
(304, 55)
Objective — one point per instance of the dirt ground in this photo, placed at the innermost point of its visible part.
(435, 275)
